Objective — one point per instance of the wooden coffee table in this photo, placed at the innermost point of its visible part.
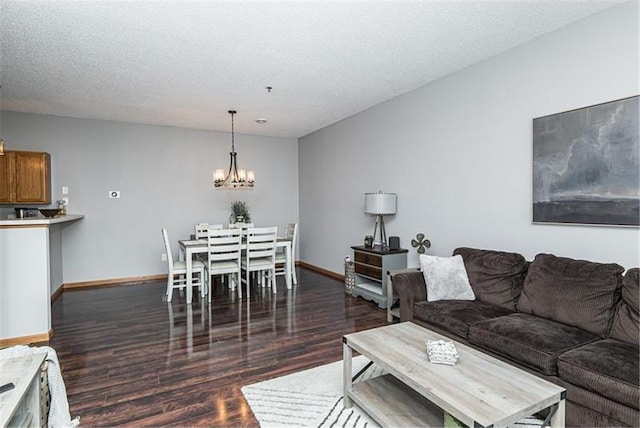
(479, 391)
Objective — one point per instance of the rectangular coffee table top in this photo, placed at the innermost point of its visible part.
(478, 389)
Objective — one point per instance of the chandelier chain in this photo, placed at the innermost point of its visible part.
(233, 142)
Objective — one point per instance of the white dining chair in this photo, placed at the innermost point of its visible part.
(177, 277)
(260, 255)
(240, 225)
(224, 249)
(201, 233)
(202, 228)
(291, 234)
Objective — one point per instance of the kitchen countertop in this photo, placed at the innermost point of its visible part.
(40, 221)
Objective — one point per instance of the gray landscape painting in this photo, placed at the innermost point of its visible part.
(586, 165)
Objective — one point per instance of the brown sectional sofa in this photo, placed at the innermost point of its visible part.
(572, 322)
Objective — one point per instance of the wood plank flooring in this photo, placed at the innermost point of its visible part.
(128, 358)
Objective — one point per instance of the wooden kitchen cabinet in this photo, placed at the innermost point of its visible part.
(25, 178)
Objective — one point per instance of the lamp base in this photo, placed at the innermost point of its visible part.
(383, 233)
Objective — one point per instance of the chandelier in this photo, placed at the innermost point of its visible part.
(235, 178)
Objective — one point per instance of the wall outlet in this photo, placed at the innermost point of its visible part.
(65, 190)
(163, 257)
(65, 201)
(114, 194)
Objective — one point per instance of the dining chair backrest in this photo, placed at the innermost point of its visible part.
(167, 248)
(177, 277)
(202, 228)
(224, 244)
(285, 258)
(261, 243)
(291, 233)
(240, 225)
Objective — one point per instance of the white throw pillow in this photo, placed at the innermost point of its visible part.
(446, 278)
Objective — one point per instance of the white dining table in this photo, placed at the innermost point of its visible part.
(188, 248)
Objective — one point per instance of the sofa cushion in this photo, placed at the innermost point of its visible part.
(455, 316)
(532, 341)
(575, 292)
(496, 277)
(625, 323)
(608, 367)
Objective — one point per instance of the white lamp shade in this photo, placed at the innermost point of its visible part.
(380, 203)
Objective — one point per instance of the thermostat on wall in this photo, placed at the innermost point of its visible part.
(114, 194)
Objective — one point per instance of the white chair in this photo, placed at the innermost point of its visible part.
(260, 255)
(201, 233)
(224, 249)
(291, 234)
(177, 277)
(202, 228)
(240, 225)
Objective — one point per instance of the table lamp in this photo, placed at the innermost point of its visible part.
(380, 204)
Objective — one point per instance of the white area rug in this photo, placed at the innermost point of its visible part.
(313, 398)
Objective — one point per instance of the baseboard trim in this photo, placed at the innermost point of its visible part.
(57, 293)
(26, 340)
(320, 270)
(114, 281)
(148, 278)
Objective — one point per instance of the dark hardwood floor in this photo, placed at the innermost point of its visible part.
(129, 358)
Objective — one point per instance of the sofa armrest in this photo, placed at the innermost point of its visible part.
(410, 288)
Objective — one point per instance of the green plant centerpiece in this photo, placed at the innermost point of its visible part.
(240, 212)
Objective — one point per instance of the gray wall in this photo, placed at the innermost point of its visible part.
(165, 178)
(459, 152)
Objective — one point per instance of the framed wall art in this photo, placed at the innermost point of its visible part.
(586, 165)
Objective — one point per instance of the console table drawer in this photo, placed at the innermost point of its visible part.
(369, 271)
(370, 259)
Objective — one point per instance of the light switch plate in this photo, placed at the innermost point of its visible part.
(114, 194)
(65, 190)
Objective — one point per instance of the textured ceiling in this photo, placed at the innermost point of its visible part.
(185, 63)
